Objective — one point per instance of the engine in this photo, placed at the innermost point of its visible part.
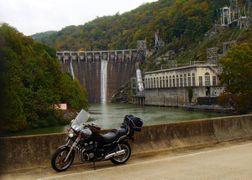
(89, 152)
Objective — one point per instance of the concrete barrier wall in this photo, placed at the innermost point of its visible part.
(34, 151)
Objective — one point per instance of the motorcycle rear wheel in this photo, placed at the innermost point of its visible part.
(122, 158)
(57, 161)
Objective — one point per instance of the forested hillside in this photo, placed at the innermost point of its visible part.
(43, 35)
(176, 20)
(31, 82)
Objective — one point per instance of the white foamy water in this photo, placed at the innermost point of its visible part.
(104, 65)
(139, 80)
(71, 69)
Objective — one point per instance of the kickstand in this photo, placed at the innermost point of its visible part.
(94, 165)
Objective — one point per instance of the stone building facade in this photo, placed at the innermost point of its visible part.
(172, 87)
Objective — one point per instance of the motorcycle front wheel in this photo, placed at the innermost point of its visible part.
(122, 158)
(58, 161)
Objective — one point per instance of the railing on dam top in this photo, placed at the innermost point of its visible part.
(114, 55)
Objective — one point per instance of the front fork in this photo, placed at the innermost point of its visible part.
(72, 147)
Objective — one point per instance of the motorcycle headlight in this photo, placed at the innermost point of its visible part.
(71, 134)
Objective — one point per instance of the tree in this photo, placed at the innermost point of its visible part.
(31, 82)
(237, 76)
(173, 18)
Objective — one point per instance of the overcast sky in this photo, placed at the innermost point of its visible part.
(32, 16)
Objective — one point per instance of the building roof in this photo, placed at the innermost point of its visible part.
(205, 65)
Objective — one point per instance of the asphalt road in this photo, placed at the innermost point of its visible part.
(225, 162)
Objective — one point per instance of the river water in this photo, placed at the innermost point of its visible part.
(112, 115)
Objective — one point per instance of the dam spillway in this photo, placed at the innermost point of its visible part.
(71, 69)
(102, 73)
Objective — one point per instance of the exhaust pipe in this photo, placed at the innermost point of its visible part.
(115, 154)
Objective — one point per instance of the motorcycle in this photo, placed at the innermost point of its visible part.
(85, 139)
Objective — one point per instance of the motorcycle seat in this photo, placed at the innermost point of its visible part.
(113, 135)
(121, 131)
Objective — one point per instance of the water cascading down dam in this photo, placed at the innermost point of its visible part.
(71, 69)
(102, 73)
(104, 65)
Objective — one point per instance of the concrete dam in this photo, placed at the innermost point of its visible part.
(102, 73)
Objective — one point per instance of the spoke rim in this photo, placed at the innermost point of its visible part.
(59, 163)
(123, 157)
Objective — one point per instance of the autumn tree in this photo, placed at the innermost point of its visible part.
(237, 77)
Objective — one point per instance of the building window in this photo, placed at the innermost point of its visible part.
(159, 83)
(163, 82)
(200, 81)
(214, 81)
(207, 79)
(193, 79)
(173, 81)
(170, 81)
(185, 81)
(167, 82)
(181, 80)
(189, 79)
(177, 81)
